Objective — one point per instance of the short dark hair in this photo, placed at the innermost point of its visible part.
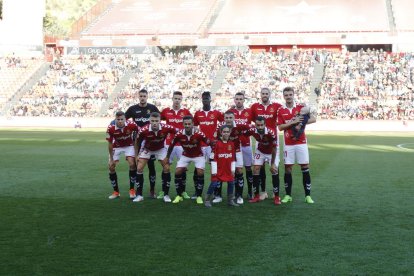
(239, 94)
(188, 117)
(177, 93)
(260, 119)
(119, 113)
(223, 127)
(288, 88)
(229, 112)
(143, 91)
(155, 115)
(206, 93)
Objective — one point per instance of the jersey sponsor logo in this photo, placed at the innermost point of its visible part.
(240, 121)
(207, 123)
(267, 116)
(175, 120)
(142, 119)
(189, 146)
(225, 155)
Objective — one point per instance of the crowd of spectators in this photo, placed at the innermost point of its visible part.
(370, 84)
(364, 85)
(73, 87)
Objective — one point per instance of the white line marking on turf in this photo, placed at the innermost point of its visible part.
(402, 146)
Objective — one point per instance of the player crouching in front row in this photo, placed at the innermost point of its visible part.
(119, 135)
(153, 135)
(191, 142)
(223, 166)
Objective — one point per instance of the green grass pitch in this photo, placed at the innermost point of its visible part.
(55, 218)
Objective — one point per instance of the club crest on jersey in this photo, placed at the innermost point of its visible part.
(272, 110)
(229, 147)
(194, 141)
(148, 111)
(212, 116)
(128, 131)
(246, 114)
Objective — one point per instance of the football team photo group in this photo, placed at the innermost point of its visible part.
(236, 144)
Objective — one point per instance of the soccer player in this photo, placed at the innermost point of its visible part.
(223, 166)
(140, 113)
(267, 110)
(191, 141)
(266, 148)
(153, 136)
(207, 120)
(295, 150)
(120, 140)
(244, 116)
(174, 117)
(235, 136)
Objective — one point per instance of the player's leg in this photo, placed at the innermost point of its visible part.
(132, 176)
(130, 158)
(303, 161)
(142, 162)
(166, 174)
(181, 167)
(247, 162)
(113, 178)
(152, 175)
(177, 153)
(289, 160)
(200, 185)
(239, 178)
(276, 181)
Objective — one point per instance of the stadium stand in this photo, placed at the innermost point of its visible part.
(132, 17)
(305, 16)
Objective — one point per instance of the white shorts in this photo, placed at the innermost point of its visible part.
(299, 153)
(239, 159)
(247, 156)
(177, 152)
(159, 154)
(261, 158)
(199, 162)
(207, 153)
(128, 151)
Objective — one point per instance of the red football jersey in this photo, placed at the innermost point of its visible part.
(174, 118)
(243, 117)
(191, 144)
(269, 112)
(284, 116)
(207, 121)
(235, 134)
(224, 155)
(121, 137)
(265, 142)
(155, 140)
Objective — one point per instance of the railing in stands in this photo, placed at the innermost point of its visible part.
(89, 17)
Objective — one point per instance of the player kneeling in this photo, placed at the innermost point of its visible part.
(223, 166)
(120, 140)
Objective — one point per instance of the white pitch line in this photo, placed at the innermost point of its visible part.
(402, 146)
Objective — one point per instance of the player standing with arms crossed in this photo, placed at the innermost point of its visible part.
(120, 140)
(140, 113)
(294, 150)
(174, 117)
